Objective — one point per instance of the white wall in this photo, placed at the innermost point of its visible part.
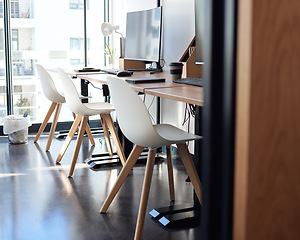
(178, 28)
(178, 31)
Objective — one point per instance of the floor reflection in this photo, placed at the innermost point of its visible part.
(39, 201)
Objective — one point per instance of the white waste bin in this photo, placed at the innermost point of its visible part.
(16, 126)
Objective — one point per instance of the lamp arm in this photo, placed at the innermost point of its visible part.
(119, 33)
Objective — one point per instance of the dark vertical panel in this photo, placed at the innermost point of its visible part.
(85, 33)
(8, 57)
(218, 119)
(106, 19)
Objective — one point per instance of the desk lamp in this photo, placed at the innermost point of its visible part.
(107, 29)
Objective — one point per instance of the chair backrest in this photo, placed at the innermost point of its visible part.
(48, 85)
(73, 100)
(132, 114)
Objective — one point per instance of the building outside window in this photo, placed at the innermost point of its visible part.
(77, 4)
(53, 37)
(78, 44)
(15, 39)
(15, 9)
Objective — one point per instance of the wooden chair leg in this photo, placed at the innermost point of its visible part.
(145, 194)
(106, 135)
(69, 137)
(170, 173)
(46, 119)
(190, 168)
(78, 144)
(135, 153)
(115, 137)
(53, 126)
(89, 133)
(87, 130)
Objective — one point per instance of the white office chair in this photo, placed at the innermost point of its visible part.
(136, 125)
(57, 100)
(83, 111)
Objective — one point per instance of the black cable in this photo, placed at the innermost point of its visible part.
(151, 102)
(149, 106)
(95, 86)
(190, 111)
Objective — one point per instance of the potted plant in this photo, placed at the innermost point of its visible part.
(109, 55)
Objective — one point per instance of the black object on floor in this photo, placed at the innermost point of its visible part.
(184, 219)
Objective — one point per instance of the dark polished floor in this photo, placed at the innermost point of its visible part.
(39, 201)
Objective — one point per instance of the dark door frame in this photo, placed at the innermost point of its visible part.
(217, 165)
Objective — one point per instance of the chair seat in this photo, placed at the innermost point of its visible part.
(95, 108)
(173, 134)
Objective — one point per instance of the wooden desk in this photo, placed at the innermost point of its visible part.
(182, 93)
(101, 78)
(77, 74)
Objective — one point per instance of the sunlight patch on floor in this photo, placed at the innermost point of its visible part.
(78, 165)
(3, 175)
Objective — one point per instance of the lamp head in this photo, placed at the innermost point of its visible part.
(108, 28)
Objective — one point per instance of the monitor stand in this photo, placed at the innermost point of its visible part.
(141, 70)
(151, 70)
(156, 70)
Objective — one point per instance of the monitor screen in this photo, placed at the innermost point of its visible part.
(199, 29)
(143, 35)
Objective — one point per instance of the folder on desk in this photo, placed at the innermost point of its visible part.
(87, 70)
(144, 80)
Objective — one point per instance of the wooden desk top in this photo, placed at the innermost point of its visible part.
(187, 94)
(101, 78)
(167, 89)
(78, 74)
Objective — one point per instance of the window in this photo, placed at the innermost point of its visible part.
(78, 44)
(77, 62)
(14, 8)
(77, 4)
(15, 39)
(64, 47)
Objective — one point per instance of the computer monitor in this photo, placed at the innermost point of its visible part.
(143, 35)
(199, 30)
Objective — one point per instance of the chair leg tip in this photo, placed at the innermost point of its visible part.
(102, 210)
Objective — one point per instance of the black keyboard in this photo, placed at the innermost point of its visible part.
(118, 72)
(111, 71)
(190, 81)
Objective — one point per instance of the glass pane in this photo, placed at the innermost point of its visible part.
(51, 34)
(95, 43)
(95, 39)
(3, 111)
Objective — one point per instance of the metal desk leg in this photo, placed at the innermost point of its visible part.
(183, 215)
